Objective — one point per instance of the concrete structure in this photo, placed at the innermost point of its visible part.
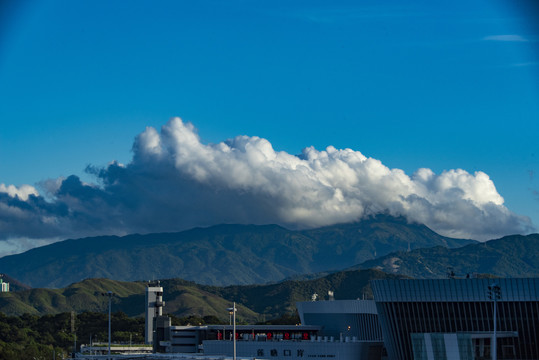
(319, 347)
(154, 308)
(279, 342)
(449, 319)
(338, 330)
(213, 339)
(176, 356)
(102, 349)
(4, 285)
(454, 318)
(353, 319)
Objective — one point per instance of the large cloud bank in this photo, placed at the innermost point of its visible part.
(175, 182)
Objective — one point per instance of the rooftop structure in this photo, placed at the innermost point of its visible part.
(4, 285)
(455, 318)
(338, 330)
(343, 318)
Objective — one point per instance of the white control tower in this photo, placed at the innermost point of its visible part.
(154, 308)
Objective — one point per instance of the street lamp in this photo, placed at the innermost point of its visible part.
(232, 311)
(110, 294)
(494, 294)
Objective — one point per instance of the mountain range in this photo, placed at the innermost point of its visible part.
(221, 255)
(510, 256)
(231, 259)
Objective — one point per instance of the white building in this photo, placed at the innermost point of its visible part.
(154, 309)
(5, 285)
(332, 330)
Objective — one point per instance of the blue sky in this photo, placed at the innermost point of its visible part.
(414, 84)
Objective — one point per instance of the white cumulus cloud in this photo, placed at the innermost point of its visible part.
(175, 182)
(21, 192)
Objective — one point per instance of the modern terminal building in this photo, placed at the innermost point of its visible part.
(454, 318)
(446, 319)
(338, 330)
(348, 319)
(449, 319)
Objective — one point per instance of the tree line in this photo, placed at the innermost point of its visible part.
(56, 336)
(34, 337)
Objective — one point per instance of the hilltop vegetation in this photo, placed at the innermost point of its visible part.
(220, 255)
(185, 298)
(40, 319)
(78, 297)
(513, 256)
(510, 256)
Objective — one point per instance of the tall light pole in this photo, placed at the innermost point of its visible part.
(232, 311)
(234, 316)
(73, 332)
(110, 294)
(494, 294)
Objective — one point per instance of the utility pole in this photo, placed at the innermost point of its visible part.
(110, 294)
(234, 315)
(232, 312)
(494, 294)
(73, 332)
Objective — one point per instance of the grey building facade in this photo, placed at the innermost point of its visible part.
(454, 318)
(341, 319)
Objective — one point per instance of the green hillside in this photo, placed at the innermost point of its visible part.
(83, 296)
(220, 255)
(375, 237)
(510, 256)
(275, 299)
(185, 298)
